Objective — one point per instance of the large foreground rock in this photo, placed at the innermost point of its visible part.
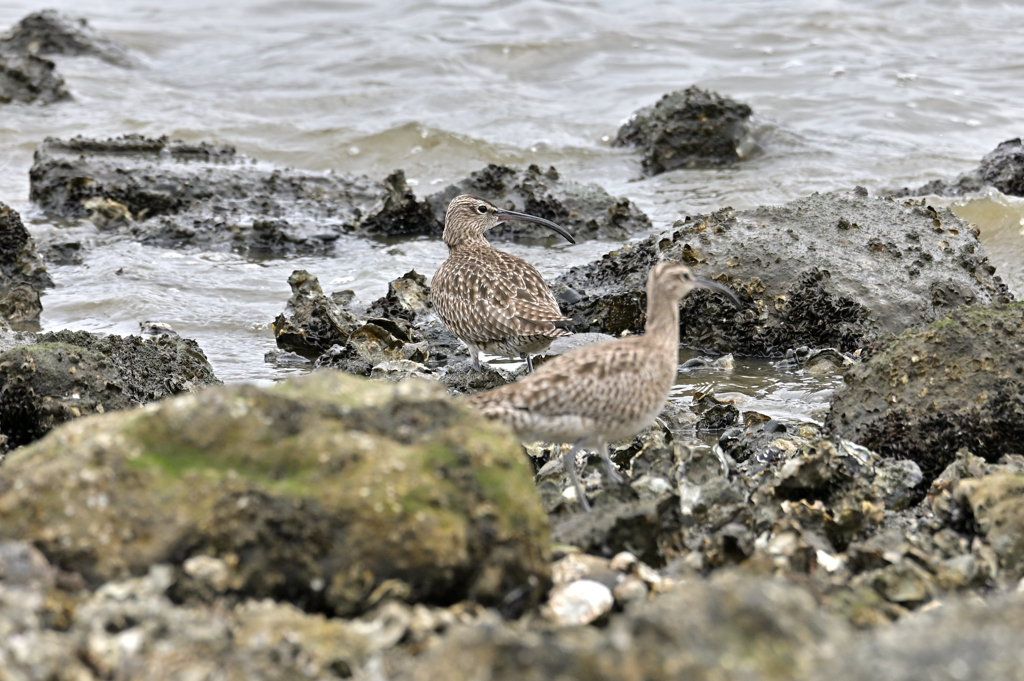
(1002, 168)
(830, 270)
(49, 378)
(958, 382)
(328, 491)
(687, 129)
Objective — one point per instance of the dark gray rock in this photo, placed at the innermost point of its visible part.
(19, 262)
(831, 270)
(1002, 168)
(22, 272)
(690, 128)
(54, 377)
(171, 193)
(29, 79)
(64, 253)
(399, 327)
(52, 32)
(958, 382)
(585, 210)
(312, 322)
(715, 414)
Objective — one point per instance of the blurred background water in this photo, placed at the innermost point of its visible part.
(881, 93)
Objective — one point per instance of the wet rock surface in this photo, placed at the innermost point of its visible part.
(1002, 168)
(584, 210)
(49, 378)
(171, 194)
(690, 128)
(957, 382)
(831, 270)
(395, 337)
(54, 33)
(30, 79)
(25, 76)
(22, 272)
(329, 492)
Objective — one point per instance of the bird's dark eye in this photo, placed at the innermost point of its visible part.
(481, 209)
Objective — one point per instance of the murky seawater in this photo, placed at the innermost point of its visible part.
(880, 94)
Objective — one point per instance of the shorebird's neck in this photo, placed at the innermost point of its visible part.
(662, 328)
(466, 242)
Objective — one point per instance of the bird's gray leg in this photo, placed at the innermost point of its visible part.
(569, 464)
(609, 466)
(529, 362)
(474, 357)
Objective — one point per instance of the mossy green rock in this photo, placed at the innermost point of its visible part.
(957, 382)
(328, 491)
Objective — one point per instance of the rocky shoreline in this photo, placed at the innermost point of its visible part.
(362, 522)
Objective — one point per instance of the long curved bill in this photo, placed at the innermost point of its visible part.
(715, 286)
(511, 215)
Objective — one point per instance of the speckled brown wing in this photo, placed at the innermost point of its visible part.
(484, 297)
(618, 384)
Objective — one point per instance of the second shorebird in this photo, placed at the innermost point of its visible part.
(492, 301)
(604, 392)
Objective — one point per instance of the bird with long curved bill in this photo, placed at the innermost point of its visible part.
(492, 301)
(604, 392)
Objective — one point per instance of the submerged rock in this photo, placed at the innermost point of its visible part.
(1002, 168)
(327, 491)
(958, 382)
(49, 378)
(830, 270)
(689, 128)
(51, 32)
(30, 79)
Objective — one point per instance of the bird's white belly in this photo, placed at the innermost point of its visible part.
(573, 428)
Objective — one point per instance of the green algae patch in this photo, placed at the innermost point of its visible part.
(328, 491)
